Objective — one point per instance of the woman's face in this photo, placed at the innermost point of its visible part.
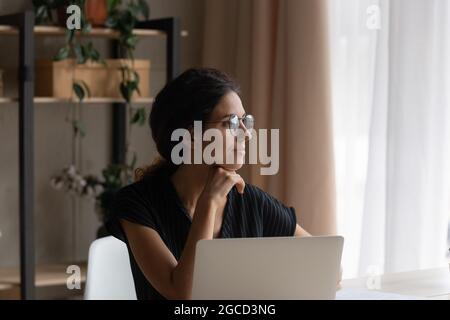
(233, 145)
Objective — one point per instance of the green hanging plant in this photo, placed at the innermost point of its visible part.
(122, 17)
(81, 90)
(44, 11)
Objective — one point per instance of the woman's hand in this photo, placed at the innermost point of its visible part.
(219, 184)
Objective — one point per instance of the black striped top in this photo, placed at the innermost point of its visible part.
(153, 202)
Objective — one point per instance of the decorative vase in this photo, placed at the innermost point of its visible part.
(96, 12)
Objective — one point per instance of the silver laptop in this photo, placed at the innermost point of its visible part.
(267, 268)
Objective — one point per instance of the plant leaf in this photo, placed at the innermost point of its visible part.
(85, 87)
(136, 80)
(79, 53)
(112, 4)
(127, 21)
(143, 117)
(132, 85)
(144, 8)
(79, 128)
(124, 90)
(87, 28)
(133, 9)
(43, 14)
(79, 91)
(136, 76)
(131, 41)
(90, 53)
(139, 117)
(135, 118)
(111, 21)
(69, 35)
(95, 56)
(62, 54)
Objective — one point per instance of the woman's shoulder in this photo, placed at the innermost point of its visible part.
(131, 203)
(253, 198)
(254, 191)
(138, 193)
(256, 196)
(135, 188)
(142, 187)
(138, 202)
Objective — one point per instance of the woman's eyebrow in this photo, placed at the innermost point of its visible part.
(228, 115)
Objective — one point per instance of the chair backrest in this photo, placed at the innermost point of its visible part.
(109, 274)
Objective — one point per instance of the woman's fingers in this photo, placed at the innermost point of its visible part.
(240, 184)
(232, 179)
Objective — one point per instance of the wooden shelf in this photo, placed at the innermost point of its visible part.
(95, 32)
(46, 275)
(168, 27)
(98, 100)
(6, 286)
(7, 100)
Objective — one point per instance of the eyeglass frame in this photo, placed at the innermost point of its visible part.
(241, 120)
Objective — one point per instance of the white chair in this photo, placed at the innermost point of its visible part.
(109, 274)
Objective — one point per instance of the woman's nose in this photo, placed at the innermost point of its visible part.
(247, 134)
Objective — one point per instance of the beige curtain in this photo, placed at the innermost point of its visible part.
(277, 50)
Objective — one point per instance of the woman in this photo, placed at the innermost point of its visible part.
(171, 207)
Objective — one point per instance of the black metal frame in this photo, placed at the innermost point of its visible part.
(24, 21)
(171, 26)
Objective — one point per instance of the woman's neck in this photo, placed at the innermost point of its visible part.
(189, 181)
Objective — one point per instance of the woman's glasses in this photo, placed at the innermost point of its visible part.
(234, 122)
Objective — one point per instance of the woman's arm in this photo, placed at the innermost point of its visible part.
(300, 232)
(170, 278)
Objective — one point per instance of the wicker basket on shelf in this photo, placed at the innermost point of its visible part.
(55, 78)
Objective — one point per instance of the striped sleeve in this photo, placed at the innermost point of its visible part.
(278, 219)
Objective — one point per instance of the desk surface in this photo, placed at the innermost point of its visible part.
(423, 284)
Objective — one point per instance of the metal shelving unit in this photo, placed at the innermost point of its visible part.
(22, 25)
